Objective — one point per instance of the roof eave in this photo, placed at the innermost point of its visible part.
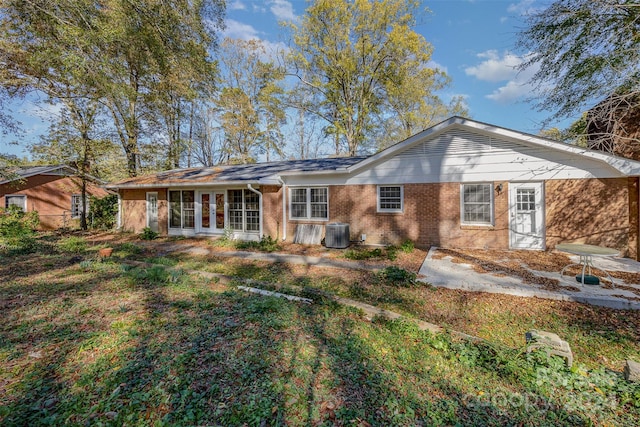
(192, 184)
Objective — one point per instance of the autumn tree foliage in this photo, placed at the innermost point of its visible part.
(367, 68)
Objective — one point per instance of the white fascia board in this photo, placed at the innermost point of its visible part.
(625, 166)
(181, 185)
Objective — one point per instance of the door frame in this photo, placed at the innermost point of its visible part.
(156, 211)
(213, 229)
(539, 215)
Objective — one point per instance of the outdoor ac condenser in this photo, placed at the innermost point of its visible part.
(336, 235)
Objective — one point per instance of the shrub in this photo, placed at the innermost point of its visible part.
(126, 249)
(407, 246)
(17, 230)
(148, 234)
(73, 244)
(103, 211)
(266, 244)
(392, 253)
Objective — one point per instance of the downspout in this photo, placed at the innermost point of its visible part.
(260, 205)
(119, 217)
(284, 210)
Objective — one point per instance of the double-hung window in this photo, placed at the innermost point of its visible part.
(390, 198)
(17, 200)
(244, 210)
(309, 203)
(77, 205)
(476, 204)
(182, 209)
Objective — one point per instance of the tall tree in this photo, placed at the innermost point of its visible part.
(153, 50)
(120, 52)
(249, 105)
(586, 52)
(75, 139)
(364, 61)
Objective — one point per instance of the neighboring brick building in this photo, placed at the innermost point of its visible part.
(53, 191)
(460, 183)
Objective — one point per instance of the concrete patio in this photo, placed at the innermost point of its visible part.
(445, 273)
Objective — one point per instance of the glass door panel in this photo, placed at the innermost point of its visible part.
(205, 207)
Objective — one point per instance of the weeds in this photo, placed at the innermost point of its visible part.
(399, 277)
(148, 234)
(73, 244)
(266, 244)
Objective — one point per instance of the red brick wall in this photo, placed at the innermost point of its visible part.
(50, 195)
(272, 211)
(134, 209)
(431, 216)
(634, 217)
(591, 211)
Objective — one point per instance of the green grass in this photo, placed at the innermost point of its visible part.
(100, 343)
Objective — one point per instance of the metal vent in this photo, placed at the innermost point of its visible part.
(336, 235)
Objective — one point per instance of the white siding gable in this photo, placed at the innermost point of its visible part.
(462, 155)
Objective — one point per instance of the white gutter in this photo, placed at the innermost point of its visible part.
(260, 204)
(284, 209)
(219, 184)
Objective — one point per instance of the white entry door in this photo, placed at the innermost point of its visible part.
(152, 211)
(210, 212)
(526, 210)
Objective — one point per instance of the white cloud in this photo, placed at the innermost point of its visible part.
(523, 7)
(517, 88)
(237, 5)
(495, 67)
(503, 19)
(283, 10)
(435, 65)
(238, 30)
(258, 8)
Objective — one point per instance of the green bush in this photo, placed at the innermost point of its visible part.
(73, 244)
(17, 230)
(266, 244)
(148, 234)
(126, 249)
(103, 211)
(407, 246)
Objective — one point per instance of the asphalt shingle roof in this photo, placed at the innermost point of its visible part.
(232, 173)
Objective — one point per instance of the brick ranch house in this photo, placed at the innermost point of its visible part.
(53, 191)
(460, 183)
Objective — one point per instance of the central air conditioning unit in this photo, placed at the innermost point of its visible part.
(336, 235)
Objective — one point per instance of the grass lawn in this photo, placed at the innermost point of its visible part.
(100, 343)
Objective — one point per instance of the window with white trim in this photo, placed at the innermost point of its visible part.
(77, 205)
(309, 203)
(16, 200)
(476, 204)
(244, 210)
(390, 198)
(182, 209)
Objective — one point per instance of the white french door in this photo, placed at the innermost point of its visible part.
(210, 212)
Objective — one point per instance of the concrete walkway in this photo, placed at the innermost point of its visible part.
(445, 273)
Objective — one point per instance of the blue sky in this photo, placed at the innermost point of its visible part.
(473, 42)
